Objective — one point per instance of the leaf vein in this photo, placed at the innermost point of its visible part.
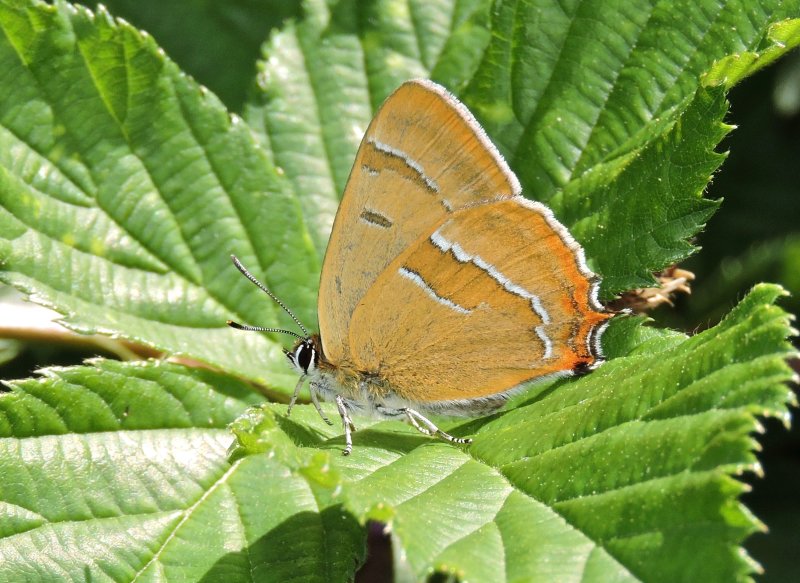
(415, 27)
(186, 515)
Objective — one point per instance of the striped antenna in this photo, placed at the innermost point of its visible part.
(265, 289)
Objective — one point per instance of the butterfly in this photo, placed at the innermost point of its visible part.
(443, 289)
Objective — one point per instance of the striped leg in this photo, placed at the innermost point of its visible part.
(297, 388)
(312, 388)
(423, 424)
(348, 425)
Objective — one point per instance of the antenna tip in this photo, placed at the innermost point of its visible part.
(233, 324)
(240, 267)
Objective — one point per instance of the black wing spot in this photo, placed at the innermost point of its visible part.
(375, 218)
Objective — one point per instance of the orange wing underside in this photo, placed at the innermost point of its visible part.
(438, 277)
(490, 299)
(422, 158)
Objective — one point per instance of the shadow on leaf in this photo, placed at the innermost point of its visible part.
(328, 545)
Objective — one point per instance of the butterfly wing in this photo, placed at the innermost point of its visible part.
(498, 294)
(422, 159)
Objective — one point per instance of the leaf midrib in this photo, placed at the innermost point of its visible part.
(187, 514)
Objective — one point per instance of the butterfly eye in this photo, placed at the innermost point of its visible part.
(304, 356)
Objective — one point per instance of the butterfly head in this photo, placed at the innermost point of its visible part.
(304, 355)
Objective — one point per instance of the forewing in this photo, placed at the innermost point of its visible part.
(422, 158)
(496, 295)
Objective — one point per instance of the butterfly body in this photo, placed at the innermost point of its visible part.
(443, 290)
(361, 390)
(365, 392)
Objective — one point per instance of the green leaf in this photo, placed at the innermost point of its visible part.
(624, 474)
(589, 119)
(621, 476)
(630, 236)
(782, 37)
(124, 187)
(215, 42)
(121, 471)
(322, 80)
(102, 130)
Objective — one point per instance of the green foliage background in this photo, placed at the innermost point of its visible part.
(755, 236)
(734, 368)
